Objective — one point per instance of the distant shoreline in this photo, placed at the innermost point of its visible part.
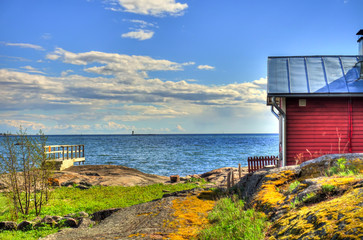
(148, 134)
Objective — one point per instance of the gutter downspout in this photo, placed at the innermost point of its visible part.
(274, 104)
(282, 127)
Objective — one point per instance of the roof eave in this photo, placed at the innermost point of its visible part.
(315, 95)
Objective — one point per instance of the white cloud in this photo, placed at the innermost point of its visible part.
(125, 66)
(32, 69)
(180, 128)
(25, 45)
(144, 112)
(46, 36)
(205, 67)
(65, 73)
(73, 127)
(24, 124)
(139, 34)
(142, 23)
(153, 7)
(127, 94)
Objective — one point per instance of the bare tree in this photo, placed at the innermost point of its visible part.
(22, 164)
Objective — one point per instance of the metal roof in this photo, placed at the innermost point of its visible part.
(308, 75)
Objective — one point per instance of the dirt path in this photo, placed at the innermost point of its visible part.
(173, 217)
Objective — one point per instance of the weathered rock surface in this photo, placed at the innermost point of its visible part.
(86, 176)
(48, 220)
(69, 222)
(103, 214)
(106, 175)
(319, 207)
(25, 225)
(219, 176)
(8, 225)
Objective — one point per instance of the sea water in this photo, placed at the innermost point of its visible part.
(166, 155)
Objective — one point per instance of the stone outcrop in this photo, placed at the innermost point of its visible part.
(307, 201)
(8, 225)
(75, 220)
(86, 176)
(219, 176)
(103, 214)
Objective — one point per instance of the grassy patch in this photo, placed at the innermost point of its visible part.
(4, 205)
(28, 235)
(327, 188)
(73, 200)
(229, 220)
(293, 185)
(342, 168)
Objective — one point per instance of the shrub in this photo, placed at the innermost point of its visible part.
(25, 173)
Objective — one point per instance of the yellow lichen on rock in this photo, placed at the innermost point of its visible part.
(337, 181)
(339, 218)
(320, 199)
(137, 235)
(190, 216)
(269, 196)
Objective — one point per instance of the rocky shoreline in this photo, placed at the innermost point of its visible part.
(85, 176)
(301, 202)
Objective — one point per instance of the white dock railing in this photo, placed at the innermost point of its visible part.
(65, 152)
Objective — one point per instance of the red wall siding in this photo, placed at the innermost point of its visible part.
(357, 133)
(322, 127)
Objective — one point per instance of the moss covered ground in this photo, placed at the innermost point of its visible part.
(328, 206)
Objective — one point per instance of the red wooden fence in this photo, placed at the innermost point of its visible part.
(256, 163)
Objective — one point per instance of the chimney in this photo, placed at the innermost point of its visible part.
(360, 42)
(360, 52)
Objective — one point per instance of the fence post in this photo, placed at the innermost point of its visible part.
(239, 171)
(256, 163)
(229, 180)
(232, 177)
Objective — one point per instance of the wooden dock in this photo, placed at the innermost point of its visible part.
(64, 156)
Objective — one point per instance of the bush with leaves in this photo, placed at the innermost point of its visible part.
(23, 169)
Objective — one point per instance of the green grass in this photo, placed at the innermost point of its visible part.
(4, 205)
(327, 188)
(293, 185)
(28, 235)
(230, 221)
(73, 200)
(342, 169)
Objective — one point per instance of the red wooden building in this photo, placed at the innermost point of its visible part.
(319, 103)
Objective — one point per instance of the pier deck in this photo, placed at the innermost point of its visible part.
(64, 156)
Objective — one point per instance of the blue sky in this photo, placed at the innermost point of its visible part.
(156, 66)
